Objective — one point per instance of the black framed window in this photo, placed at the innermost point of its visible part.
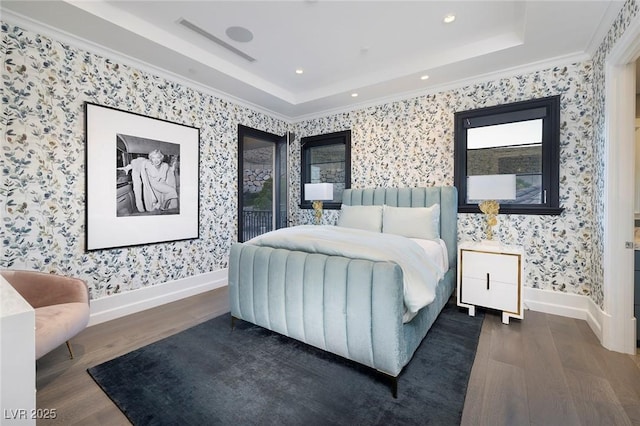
(326, 159)
(522, 139)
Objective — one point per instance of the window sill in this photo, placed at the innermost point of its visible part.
(325, 206)
(542, 210)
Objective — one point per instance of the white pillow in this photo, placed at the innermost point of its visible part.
(368, 218)
(412, 222)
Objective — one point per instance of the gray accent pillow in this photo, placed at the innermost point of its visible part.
(368, 218)
(412, 222)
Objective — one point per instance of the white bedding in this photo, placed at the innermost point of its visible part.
(422, 261)
(436, 250)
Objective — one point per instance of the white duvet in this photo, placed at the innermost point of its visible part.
(423, 262)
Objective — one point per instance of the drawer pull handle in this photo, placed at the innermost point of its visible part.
(487, 281)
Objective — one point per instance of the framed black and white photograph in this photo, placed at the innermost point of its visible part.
(142, 179)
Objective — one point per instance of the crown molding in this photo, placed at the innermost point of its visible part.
(478, 79)
(22, 21)
(33, 25)
(612, 13)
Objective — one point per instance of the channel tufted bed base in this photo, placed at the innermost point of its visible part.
(347, 306)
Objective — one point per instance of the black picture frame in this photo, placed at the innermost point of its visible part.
(142, 179)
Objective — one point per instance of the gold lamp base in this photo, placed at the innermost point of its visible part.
(490, 208)
(317, 209)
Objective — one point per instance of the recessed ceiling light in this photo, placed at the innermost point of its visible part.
(240, 34)
(299, 71)
(354, 95)
(449, 18)
(424, 77)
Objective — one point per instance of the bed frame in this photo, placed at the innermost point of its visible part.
(350, 307)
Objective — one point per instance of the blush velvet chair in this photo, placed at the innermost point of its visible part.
(61, 306)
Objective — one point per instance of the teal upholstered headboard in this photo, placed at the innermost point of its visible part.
(446, 196)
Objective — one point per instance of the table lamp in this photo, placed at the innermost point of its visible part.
(489, 189)
(318, 192)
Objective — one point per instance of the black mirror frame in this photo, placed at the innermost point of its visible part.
(550, 154)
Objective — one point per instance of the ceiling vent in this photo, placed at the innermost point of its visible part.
(214, 39)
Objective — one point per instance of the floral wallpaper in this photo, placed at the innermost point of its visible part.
(45, 84)
(411, 143)
(402, 143)
(628, 12)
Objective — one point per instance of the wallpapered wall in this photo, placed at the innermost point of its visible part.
(45, 84)
(411, 143)
(628, 13)
(564, 253)
(404, 143)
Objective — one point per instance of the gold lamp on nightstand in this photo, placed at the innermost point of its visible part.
(488, 189)
(318, 192)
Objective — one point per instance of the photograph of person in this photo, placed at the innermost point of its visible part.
(147, 184)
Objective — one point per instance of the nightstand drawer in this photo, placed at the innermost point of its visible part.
(491, 275)
(500, 267)
(491, 294)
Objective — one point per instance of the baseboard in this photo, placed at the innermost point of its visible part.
(130, 302)
(566, 305)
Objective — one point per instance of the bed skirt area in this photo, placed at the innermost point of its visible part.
(350, 307)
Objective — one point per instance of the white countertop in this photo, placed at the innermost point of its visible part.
(11, 303)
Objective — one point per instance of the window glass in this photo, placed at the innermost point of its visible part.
(327, 165)
(512, 148)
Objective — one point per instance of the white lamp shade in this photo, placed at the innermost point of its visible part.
(491, 187)
(318, 191)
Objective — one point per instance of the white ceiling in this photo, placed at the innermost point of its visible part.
(379, 49)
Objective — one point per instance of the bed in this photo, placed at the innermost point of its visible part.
(345, 303)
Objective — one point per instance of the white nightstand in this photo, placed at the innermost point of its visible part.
(491, 275)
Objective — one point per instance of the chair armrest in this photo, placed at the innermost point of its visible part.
(40, 289)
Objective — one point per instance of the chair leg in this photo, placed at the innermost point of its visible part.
(70, 351)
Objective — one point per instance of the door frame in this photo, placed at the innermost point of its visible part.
(243, 132)
(619, 323)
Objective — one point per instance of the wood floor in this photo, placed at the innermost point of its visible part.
(544, 370)
(64, 385)
(549, 370)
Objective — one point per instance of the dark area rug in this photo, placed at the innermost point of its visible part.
(212, 375)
